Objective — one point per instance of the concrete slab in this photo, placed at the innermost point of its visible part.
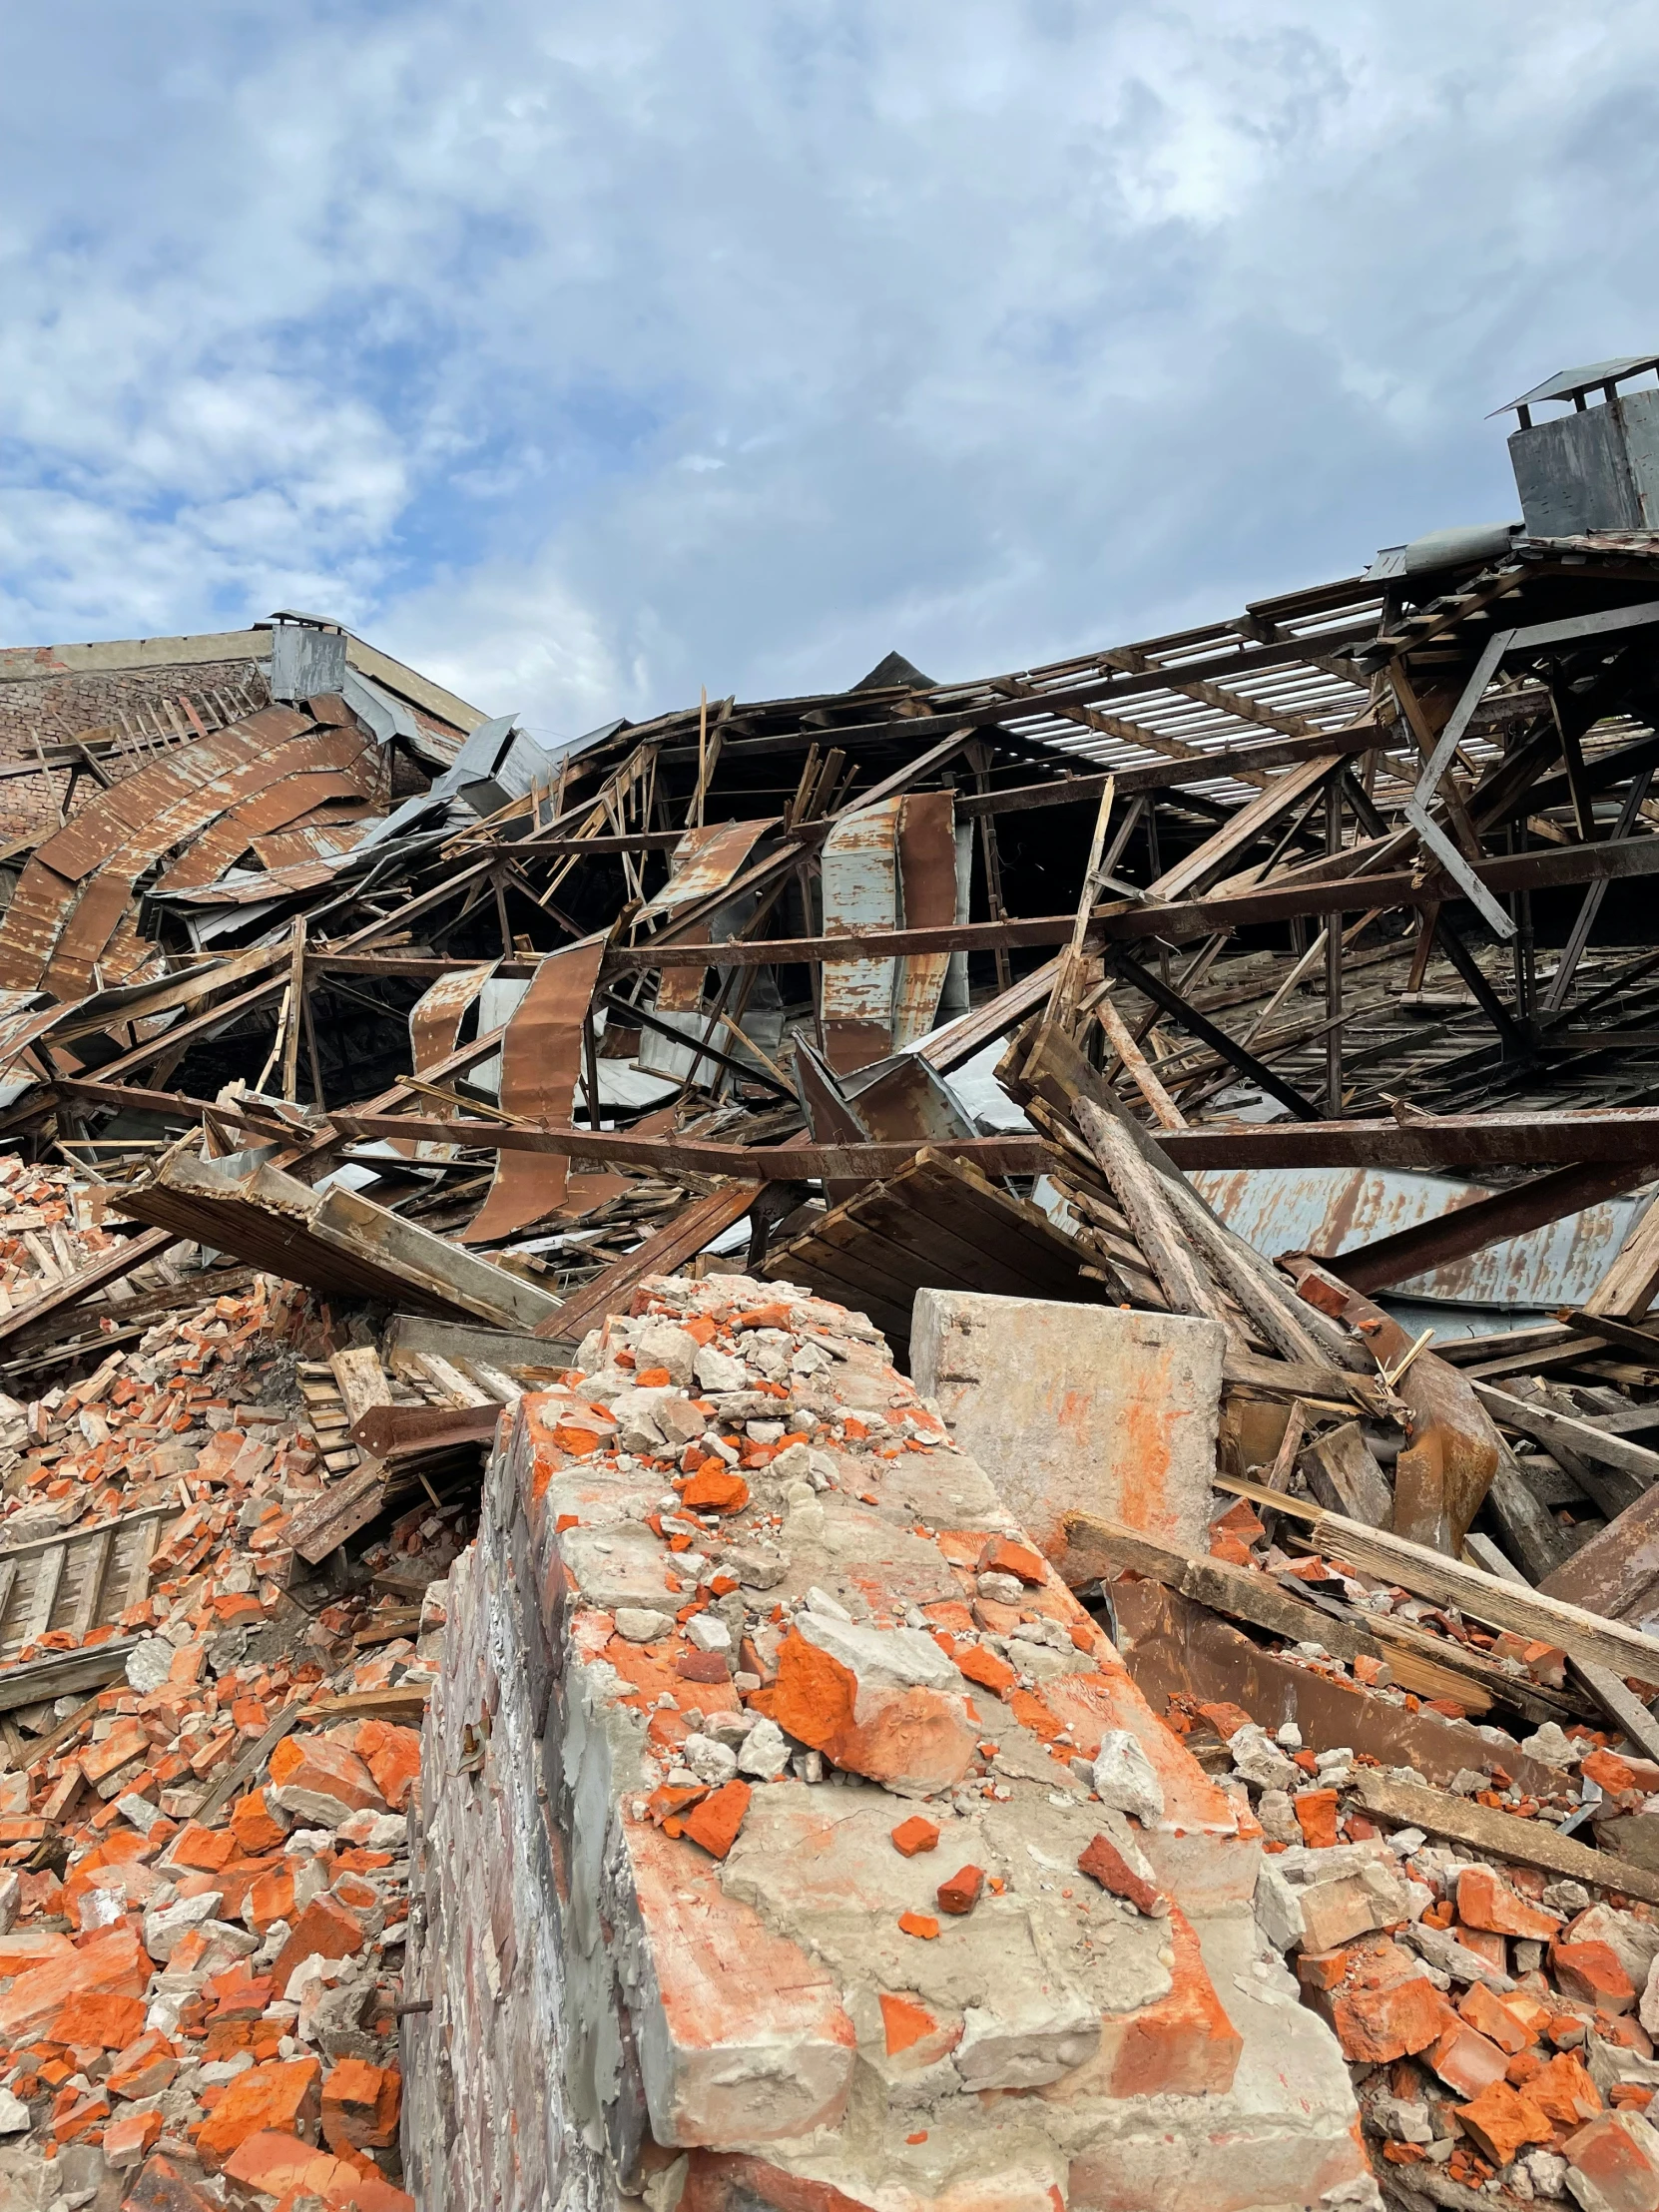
(1078, 1409)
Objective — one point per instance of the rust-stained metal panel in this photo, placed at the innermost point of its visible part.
(1337, 1209)
(104, 825)
(272, 809)
(331, 831)
(861, 892)
(434, 1030)
(705, 862)
(541, 1056)
(927, 881)
(87, 930)
(127, 827)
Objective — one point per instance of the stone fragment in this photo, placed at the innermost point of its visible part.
(149, 1664)
(1078, 1409)
(1320, 1899)
(1125, 1778)
(765, 1752)
(638, 1624)
(1258, 1758)
(709, 1759)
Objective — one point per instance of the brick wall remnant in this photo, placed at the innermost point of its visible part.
(792, 1837)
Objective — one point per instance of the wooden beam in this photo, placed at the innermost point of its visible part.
(1497, 1834)
(1445, 1581)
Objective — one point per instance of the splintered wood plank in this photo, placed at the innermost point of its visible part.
(362, 1382)
(93, 1566)
(43, 1596)
(1502, 1835)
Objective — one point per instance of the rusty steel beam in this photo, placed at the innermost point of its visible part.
(1628, 1137)
(1485, 1220)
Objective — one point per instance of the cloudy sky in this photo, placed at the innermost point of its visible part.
(587, 351)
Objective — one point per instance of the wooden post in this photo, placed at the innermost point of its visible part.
(296, 992)
(1334, 964)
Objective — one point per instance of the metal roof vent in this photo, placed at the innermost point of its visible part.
(1596, 468)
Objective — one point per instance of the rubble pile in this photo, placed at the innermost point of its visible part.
(204, 1896)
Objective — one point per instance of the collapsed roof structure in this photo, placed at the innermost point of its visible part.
(1228, 1061)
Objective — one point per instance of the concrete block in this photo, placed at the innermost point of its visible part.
(1078, 1409)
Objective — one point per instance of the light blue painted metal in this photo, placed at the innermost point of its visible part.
(1337, 1210)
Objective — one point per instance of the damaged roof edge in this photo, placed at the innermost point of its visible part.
(29, 663)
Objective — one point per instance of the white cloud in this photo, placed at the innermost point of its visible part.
(586, 356)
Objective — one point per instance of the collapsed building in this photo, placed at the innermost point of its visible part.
(977, 1355)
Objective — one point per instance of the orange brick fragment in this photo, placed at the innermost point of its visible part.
(960, 1893)
(255, 1826)
(915, 1835)
(144, 2068)
(1490, 2017)
(1592, 1974)
(919, 1924)
(325, 1926)
(90, 2018)
(1104, 1862)
(905, 2022)
(361, 2105)
(283, 2095)
(713, 1489)
(1486, 1902)
(202, 1850)
(715, 1823)
(1316, 1816)
(1502, 2120)
(1374, 2025)
(1564, 2092)
(1002, 1555)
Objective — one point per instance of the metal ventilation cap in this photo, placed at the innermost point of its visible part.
(1574, 383)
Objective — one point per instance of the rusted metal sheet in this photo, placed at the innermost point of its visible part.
(85, 936)
(927, 884)
(282, 803)
(62, 934)
(104, 825)
(541, 1056)
(331, 831)
(1336, 1210)
(860, 893)
(705, 862)
(1453, 1449)
(434, 1030)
